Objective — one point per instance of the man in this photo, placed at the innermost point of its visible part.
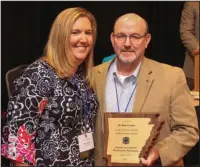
(189, 32)
(133, 83)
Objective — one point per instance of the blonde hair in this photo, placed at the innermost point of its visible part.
(57, 50)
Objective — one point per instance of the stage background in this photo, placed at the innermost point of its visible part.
(25, 27)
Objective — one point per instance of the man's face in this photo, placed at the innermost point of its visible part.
(132, 48)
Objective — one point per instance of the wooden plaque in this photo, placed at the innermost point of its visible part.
(128, 137)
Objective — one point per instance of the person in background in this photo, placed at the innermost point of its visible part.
(108, 58)
(53, 107)
(189, 33)
(133, 83)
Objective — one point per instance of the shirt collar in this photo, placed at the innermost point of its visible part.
(135, 72)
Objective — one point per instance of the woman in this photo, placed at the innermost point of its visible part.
(53, 108)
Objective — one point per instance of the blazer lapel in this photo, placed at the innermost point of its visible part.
(101, 81)
(145, 80)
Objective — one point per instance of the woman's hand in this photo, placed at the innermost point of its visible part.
(16, 164)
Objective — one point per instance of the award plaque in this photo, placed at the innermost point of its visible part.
(128, 137)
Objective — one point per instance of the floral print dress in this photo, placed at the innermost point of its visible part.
(45, 116)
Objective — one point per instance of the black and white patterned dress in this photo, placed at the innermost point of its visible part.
(45, 116)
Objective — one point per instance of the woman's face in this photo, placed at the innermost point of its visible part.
(81, 40)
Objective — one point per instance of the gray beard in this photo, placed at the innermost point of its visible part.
(125, 61)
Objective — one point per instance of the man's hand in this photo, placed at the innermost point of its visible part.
(153, 156)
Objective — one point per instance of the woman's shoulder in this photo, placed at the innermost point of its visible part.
(39, 66)
(39, 63)
(40, 75)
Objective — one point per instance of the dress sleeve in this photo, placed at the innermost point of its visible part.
(25, 106)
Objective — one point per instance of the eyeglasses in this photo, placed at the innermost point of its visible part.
(134, 38)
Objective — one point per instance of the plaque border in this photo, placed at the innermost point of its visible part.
(149, 142)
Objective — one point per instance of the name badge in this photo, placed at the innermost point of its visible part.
(86, 144)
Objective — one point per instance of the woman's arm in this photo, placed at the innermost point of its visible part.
(16, 164)
(24, 109)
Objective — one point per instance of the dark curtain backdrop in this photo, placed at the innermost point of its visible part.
(26, 25)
